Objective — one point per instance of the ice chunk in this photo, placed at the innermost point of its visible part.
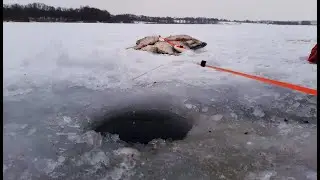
(127, 152)
(91, 138)
(217, 117)
(66, 119)
(31, 131)
(48, 165)
(258, 112)
(94, 157)
(234, 115)
(296, 105)
(205, 109)
(189, 106)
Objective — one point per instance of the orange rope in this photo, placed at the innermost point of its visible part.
(269, 81)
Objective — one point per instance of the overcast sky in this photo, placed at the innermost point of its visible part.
(229, 9)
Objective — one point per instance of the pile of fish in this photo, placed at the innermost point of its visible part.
(172, 45)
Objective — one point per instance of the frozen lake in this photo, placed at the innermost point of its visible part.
(62, 79)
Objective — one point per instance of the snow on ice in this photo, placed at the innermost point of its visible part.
(59, 77)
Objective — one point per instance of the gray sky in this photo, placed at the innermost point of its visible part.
(229, 9)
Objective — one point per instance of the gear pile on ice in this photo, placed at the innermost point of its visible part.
(172, 45)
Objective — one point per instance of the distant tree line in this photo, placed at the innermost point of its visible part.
(277, 22)
(40, 12)
(43, 13)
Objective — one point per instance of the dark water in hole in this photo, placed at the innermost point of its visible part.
(142, 126)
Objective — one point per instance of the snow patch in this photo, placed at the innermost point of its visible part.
(190, 106)
(258, 112)
(217, 117)
(205, 109)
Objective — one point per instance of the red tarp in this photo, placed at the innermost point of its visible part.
(313, 55)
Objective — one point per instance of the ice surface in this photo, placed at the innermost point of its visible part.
(58, 77)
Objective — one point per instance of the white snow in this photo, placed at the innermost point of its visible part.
(95, 55)
(56, 75)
